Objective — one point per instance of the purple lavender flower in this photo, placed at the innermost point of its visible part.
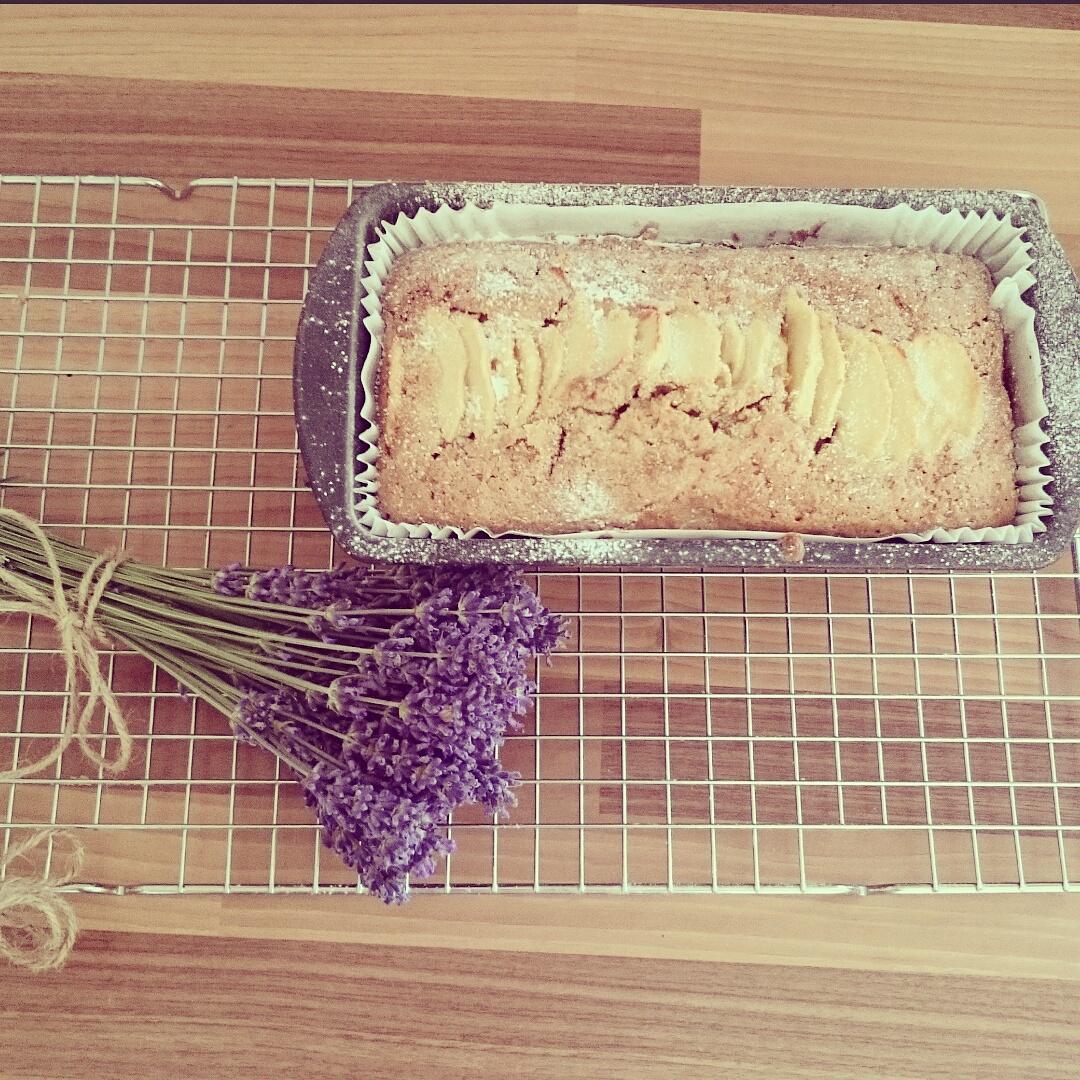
(232, 580)
(436, 675)
(349, 586)
(384, 835)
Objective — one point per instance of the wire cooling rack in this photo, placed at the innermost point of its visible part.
(751, 732)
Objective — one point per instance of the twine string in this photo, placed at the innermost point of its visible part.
(73, 617)
(37, 923)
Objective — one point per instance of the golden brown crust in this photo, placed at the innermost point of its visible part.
(635, 436)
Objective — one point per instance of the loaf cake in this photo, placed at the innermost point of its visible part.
(552, 387)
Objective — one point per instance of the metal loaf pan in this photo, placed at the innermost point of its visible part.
(331, 342)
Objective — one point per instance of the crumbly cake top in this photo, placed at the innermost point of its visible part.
(869, 363)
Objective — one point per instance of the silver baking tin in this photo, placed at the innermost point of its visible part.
(331, 342)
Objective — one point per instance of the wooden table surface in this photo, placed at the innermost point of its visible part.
(976, 96)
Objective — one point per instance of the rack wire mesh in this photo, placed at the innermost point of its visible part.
(703, 731)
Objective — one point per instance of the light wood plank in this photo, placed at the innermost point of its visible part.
(802, 66)
(818, 149)
(456, 49)
(992, 936)
(794, 100)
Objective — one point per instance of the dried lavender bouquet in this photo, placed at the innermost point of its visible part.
(388, 692)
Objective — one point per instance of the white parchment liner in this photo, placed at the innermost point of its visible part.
(992, 239)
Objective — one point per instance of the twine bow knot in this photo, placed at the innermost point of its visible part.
(73, 617)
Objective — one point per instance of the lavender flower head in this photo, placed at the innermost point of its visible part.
(406, 714)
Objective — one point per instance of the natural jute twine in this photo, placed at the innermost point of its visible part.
(74, 621)
(37, 925)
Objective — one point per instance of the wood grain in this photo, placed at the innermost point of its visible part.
(148, 127)
(448, 49)
(298, 1009)
(869, 103)
(978, 937)
(1049, 16)
(903, 152)
(851, 68)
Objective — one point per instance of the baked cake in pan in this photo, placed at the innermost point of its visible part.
(554, 387)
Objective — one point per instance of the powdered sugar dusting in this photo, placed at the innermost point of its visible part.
(584, 498)
(605, 281)
(496, 282)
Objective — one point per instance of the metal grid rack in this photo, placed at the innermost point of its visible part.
(751, 732)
